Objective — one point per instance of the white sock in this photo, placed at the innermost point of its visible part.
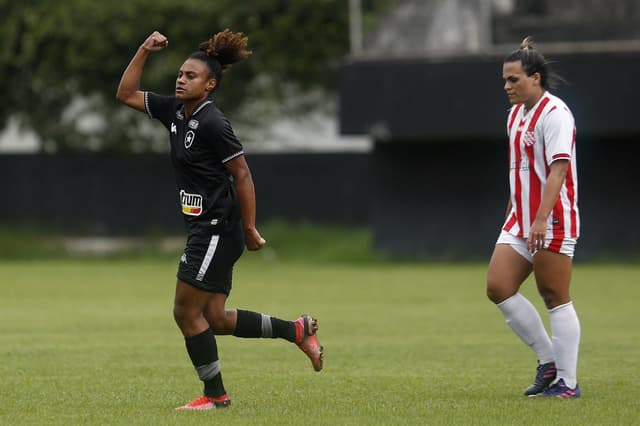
(565, 338)
(525, 321)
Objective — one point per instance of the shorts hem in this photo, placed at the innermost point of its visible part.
(564, 246)
(201, 286)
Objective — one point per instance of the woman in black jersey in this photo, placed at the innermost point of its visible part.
(217, 196)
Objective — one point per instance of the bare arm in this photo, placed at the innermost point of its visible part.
(129, 92)
(550, 193)
(247, 200)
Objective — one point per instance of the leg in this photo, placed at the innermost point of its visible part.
(250, 324)
(207, 263)
(188, 307)
(507, 271)
(553, 275)
(222, 321)
(246, 324)
(201, 345)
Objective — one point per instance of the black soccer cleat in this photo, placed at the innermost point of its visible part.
(545, 375)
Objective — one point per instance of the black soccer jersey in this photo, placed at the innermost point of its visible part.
(200, 145)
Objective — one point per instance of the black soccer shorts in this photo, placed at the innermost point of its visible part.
(207, 262)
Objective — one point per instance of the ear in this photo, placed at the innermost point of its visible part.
(536, 78)
(211, 84)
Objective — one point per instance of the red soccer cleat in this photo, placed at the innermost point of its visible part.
(207, 403)
(307, 340)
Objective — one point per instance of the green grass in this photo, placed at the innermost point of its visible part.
(288, 241)
(93, 342)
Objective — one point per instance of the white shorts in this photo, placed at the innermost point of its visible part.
(567, 246)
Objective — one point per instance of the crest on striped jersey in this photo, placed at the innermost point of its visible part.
(529, 138)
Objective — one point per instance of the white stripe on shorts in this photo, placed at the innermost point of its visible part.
(213, 244)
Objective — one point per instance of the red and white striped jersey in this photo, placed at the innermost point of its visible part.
(544, 134)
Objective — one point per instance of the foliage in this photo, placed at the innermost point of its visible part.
(61, 61)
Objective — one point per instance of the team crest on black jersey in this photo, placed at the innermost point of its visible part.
(191, 203)
(189, 138)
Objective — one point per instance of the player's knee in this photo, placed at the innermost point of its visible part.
(493, 289)
(217, 320)
(497, 291)
(551, 297)
(493, 295)
(178, 316)
(181, 315)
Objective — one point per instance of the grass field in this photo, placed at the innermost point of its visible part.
(93, 342)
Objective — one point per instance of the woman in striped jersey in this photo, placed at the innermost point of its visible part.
(542, 222)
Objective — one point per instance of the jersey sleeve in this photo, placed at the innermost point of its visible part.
(559, 131)
(227, 145)
(159, 107)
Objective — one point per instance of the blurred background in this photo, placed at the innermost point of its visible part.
(380, 117)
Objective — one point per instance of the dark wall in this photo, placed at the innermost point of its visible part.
(440, 200)
(114, 195)
(88, 193)
(462, 98)
(330, 188)
(448, 200)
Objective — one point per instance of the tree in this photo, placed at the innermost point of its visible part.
(61, 61)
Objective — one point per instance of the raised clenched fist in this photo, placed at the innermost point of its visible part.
(156, 41)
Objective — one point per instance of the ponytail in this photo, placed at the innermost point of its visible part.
(221, 51)
(534, 62)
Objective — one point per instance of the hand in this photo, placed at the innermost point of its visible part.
(537, 235)
(156, 41)
(253, 240)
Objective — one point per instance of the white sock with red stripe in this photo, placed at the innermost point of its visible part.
(525, 321)
(565, 338)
